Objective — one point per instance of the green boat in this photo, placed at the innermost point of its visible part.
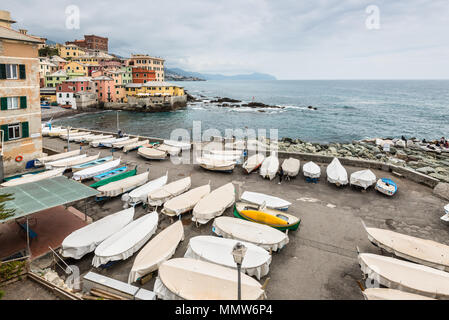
(114, 178)
(269, 217)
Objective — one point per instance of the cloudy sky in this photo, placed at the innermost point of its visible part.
(290, 39)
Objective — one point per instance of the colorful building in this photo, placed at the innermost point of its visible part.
(65, 91)
(52, 80)
(141, 75)
(20, 113)
(75, 69)
(70, 51)
(154, 88)
(105, 88)
(149, 63)
(127, 75)
(91, 42)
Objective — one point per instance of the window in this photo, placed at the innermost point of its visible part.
(67, 95)
(13, 103)
(14, 131)
(60, 95)
(11, 71)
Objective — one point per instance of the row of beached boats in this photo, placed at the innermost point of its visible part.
(421, 272)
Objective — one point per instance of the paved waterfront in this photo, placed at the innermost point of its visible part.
(320, 261)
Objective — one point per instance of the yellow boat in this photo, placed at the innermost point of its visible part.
(271, 217)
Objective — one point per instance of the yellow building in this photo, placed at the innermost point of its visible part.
(75, 69)
(154, 88)
(20, 114)
(70, 51)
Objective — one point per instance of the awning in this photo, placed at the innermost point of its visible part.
(40, 195)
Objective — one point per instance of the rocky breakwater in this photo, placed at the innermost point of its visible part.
(411, 154)
(234, 103)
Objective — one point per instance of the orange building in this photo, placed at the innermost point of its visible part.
(141, 75)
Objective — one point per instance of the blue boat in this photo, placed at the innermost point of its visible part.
(386, 186)
(110, 173)
(91, 163)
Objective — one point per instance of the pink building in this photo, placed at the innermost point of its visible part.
(105, 88)
(65, 91)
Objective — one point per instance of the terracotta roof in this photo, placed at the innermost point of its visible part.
(7, 33)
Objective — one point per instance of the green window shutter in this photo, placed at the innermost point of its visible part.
(5, 132)
(25, 130)
(23, 102)
(4, 103)
(22, 71)
(2, 71)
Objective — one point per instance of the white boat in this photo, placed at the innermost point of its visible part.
(269, 167)
(135, 145)
(85, 240)
(63, 162)
(271, 202)
(425, 252)
(116, 188)
(363, 178)
(406, 276)
(190, 279)
(124, 243)
(99, 137)
(232, 153)
(108, 142)
(160, 196)
(219, 251)
(47, 130)
(75, 137)
(214, 204)
(161, 248)
(41, 161)
(151, 153)
(222, 156)
(336, 173)
(71, 135)
(290, 167)
(27, 178)
(121, 144)
(391, 294)
(95, 170)
(216, 164)
(140, 194)
(57, 133)
(169, 149)
(253, 162)
(83, 138)
(186, 201)
(311, 170)
(256, 233)
(179, 144)
(75, 162)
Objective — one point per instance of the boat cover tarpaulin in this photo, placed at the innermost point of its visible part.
(336, 173)
(363, 178)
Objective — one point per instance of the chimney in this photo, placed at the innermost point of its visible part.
(5, 19)
(23, 31)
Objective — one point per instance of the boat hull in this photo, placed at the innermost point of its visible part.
(265, 220)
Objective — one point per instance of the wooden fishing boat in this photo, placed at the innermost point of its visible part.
(64, 136)
(63, 162)
(91, 163)
(108, 143)
(178, 144)
(124, 243)
(160, 196)
(169, 149)
(114, 178)
(406, 276)
(184, 278)
(271, 217)
(290, 167)
(391, 294)
(186, 201)
(85, 240)
(259, 234)
(75, 162)
(74, 137)
(216, 164)
(140, 194)
(151, 153)
(99, 137)
(58, 133)
(219, 251)
(95, 170)
(268, 201)
(253, 162)
(159, 249)
(34, 177)
(83, 138)
(214, 204)
(269, 167)
(41, 161)
(386, 186)
(110, 173)
(121, 144)
(116, 188)
(133, 146)
(425, 252)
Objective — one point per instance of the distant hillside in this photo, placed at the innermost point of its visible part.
(208, 76)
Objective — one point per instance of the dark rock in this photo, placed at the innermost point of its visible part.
(220, 100)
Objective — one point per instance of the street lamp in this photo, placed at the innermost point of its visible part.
(238, 252)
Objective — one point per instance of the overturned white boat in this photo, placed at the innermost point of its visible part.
(269, 167)
(216, 164)
(219, 250)
(116, 188)
(95, 170)
(83, 138)
(106, 142)
(311, 170)
(72, 163)
(178, 144)
(161, 248)
(253, 162)
(259, 234)
(425, 252)
(190, 279)
(174, 151)
(121, 144)
(41, 161)
(336, 173)
(64, 162)
(124, 243)
(160, 196)
(27, 178)
(99, 137)
(135, 145)
(71, 135)
(405, 276)
(85, 240)
(363, 178)
(271, 202)
(151, 153)
(214, 204)
(57, 133)
(391, 294)
(290, 167)
(140, 194)
(186, 201)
